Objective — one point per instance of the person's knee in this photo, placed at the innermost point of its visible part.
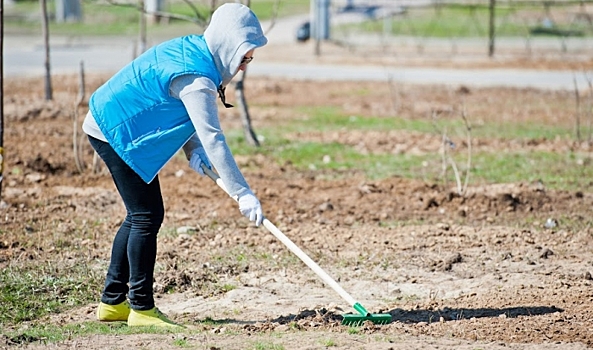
(150, 221)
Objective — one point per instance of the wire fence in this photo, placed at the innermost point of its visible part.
(525, 27)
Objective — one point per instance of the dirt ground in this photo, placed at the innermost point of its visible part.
(493, 269)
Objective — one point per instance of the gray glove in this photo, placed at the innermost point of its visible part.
(199, 157)
(250, 207)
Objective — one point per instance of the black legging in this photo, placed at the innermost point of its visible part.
(133, 253)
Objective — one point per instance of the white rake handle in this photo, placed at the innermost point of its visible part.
(293, 247)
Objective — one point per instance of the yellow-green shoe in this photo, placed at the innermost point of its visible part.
(152, 317)
(112, 313)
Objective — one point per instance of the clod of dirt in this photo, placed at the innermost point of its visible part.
(447, 264)
(327, 206)
(546, 253)
(42, 165)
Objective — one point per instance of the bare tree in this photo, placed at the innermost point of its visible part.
(250, 135)
(141, 29)
(447, 160)
(45, 30)
(468, 165)
(589, 107)
(197, 19)
(1, 97)
(77, 146)
(141, 8)
(577, 121)
(491, 28)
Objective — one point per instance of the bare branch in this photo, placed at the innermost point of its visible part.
(197, 20)
(76, 146)
(590, 105)
(468, 128)
(194, 9)
(578, 109)
(395, 94)
(275, 10)
(457, 177)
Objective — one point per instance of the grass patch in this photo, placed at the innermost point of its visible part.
(102, 19)
(263, 9)
(267, 346)
(98, 19)
(33, 291)
(328, 343)
(557, 170)
(49, 333)
(467, 21)
(331, 118)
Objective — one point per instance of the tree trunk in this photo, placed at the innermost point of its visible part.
(45, 29)
(142, 31)
(250, 135)
(1, 98)
(492, 29)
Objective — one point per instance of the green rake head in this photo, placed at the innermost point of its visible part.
(358, 320)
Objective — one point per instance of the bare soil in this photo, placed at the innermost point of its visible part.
(486, 270)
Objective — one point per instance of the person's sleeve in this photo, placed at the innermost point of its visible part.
(199, 96)
(175, 89)
(191, 144)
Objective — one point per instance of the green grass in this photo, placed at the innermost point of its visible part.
(468, 21)
(558, 170)
(353, 330)
(555, 170)
(328, 343)
(264, 8)
(445, 21)
(98, 19)
(266, 346)
(103, 19)
(47, 333)
(330, 118)
(33, 291)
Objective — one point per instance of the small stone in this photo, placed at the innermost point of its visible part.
(551, 223)
(546, 253)
(184, 230)
(282, 328)
(327, 206)
(443, 226)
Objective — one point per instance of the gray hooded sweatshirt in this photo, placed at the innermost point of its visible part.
(233, 31)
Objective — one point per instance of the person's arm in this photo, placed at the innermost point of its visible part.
(199, 96)
(191, 145)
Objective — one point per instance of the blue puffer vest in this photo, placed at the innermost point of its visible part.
(140, 120)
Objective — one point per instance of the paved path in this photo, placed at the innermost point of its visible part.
(24, 57)
(549, 80)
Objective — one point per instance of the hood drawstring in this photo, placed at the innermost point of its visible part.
(221, 90)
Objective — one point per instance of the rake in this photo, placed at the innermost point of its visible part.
(347, 319)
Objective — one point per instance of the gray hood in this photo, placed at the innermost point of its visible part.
(233, 31)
